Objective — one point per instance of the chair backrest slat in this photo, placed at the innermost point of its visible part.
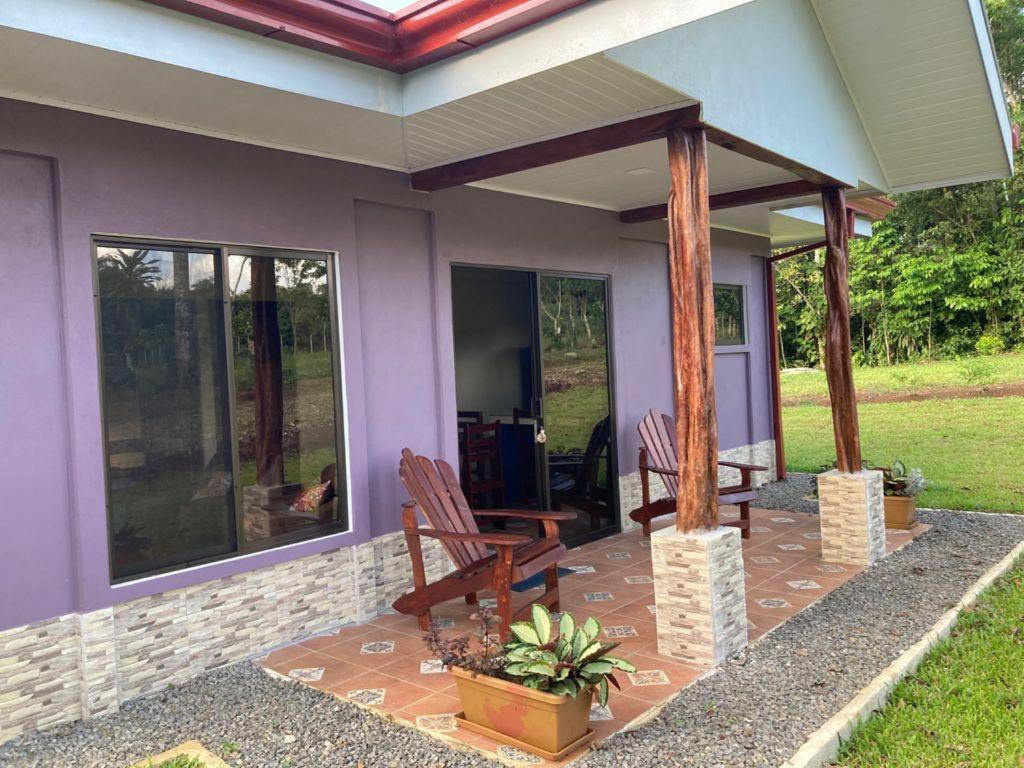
(435, 489)
(657, 431)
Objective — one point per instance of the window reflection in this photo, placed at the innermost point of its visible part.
(285, 395)
(164, 378)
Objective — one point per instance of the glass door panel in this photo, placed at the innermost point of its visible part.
(578, 434)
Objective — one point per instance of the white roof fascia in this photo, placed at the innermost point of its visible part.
(988, 56)
(151, 32)
(814, 214)
(798, 107)
(583, 31)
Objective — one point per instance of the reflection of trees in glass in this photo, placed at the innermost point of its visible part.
(728, 314)
(572, 312)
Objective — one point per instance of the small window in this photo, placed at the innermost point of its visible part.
(729, 320)
(220, 402)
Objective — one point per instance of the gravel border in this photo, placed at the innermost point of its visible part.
(790, 495)
(757, 711)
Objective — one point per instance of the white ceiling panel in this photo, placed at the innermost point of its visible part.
(632, 177)
(587, 92)
(916, 70)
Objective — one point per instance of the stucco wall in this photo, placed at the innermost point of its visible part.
(89, 175)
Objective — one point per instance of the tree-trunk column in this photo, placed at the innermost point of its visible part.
(850, 498)
(693, 330)
(697, 565)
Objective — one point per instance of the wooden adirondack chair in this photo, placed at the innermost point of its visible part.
(435, 490)
(658, 433)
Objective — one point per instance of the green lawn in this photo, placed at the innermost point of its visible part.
(972, 450)
(804, 386)
(965, 705)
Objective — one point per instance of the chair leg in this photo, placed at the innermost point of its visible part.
(745, 515)
(503, 590)
(424, 620)
(471, 598)
(646, 530)
(551, 583)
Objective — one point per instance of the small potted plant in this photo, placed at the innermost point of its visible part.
(902, 487)
(534, 692)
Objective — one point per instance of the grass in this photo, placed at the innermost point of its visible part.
(971, 450)
(920, 377)
(570, 416)
(965, 705)
(182, 761)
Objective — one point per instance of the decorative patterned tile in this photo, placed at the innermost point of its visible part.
(597, 712)
(653, 609)
(648, 677)
(431, 667)
(760, 529)
(622, 631)
(764, 559)
(443, 623)
(488, 602)
(783, 520)
(639, 580)
(804, 584)
(307, 674)
(597, 597)
(437, 723)
(618, 555)
(368, 696)
(514, 755)
(831, 568)
(772, 602)
(581, 568)
(380, 646)
(791, 547)
(813, 536)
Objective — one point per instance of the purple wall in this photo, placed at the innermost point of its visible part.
(395, 251)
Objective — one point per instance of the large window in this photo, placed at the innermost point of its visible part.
(220, 401)
(729, 322)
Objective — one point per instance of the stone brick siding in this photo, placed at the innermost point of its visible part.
(85, 665)
(851, 508)
(700, 594)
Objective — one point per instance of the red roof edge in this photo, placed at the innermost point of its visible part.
(425, 32)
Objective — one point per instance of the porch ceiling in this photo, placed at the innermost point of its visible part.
(632, 177)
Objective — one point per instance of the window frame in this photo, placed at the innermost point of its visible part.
(744, 331)
(222, 252)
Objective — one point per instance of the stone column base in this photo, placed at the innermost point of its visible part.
(852, 512)
(700, 594)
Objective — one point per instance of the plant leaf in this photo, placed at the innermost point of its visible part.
(592, 628)
(597, 668)
(525, 632)
(602, 692)
(566, 626)
(541, 622)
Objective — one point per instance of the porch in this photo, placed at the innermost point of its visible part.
(383, 665)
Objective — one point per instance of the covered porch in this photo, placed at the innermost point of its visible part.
(384, 665)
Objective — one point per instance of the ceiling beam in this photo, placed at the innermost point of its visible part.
(766, 194)
(557, 150)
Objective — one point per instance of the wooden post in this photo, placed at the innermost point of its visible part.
(838, 353)
(773, 361)
(693, 330)
(267, 374)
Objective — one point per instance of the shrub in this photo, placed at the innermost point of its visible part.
(977, 372)
(989, 344)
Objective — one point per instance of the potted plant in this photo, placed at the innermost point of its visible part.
(536, 691)
(902, 487)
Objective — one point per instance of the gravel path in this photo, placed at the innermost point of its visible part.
(758, 713)
(246, 717)
(752, 714)
(794, 494)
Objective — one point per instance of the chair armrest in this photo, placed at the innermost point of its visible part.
(659, 470)
(494, 539)
(525, 514)
(737, 465)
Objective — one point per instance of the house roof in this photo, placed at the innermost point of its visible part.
(413, 36)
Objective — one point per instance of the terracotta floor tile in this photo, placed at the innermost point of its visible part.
(285, 659)
(416, 668)
(357, 650)
(397, 695)
(435, 704)
(657, 677)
